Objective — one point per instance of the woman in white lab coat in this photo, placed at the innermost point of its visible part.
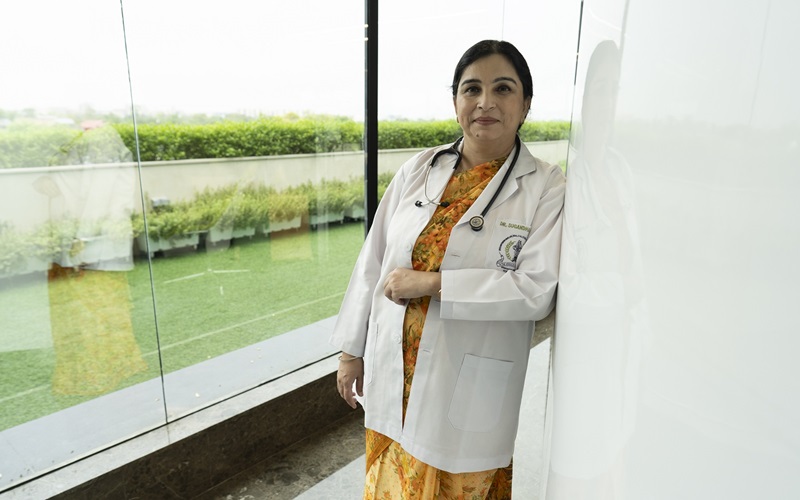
(436, 324)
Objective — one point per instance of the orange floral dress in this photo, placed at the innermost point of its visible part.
(391, 472)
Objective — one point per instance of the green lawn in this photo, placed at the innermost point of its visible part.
(207, 303)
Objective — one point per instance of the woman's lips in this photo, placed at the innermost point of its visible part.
(486, 120)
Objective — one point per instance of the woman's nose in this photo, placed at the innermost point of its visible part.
(486, 102)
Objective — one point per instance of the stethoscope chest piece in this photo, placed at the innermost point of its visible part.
(476, 223)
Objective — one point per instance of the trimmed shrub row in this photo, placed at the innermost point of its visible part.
(33, 146)
(263, 137)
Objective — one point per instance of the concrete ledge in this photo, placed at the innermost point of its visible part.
(191, 455)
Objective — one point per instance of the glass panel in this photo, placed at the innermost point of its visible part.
(675, 360)
(250, 134)
(78, 361)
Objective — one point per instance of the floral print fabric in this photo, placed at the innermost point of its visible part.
(391, 472)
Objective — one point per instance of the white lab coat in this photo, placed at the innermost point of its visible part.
(463, 409)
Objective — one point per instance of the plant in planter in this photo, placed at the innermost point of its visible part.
(212, 212)
(180, 227)
(258, 203)
(172, 226)
(286, 209)
(23, 252)
(104, 240)
(327, 201)
(209, 208)
(355, 209)
(137, 224)
(227, 212)
(13, 250)
(383, 183)
(54, 240)
(247, 214)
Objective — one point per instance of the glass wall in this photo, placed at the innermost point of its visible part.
(269, 250)
(160, 229)
(76, 312)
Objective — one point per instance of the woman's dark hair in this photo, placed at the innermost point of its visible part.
(488, 47)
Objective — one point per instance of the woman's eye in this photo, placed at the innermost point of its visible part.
(504, 89)
(472, 90)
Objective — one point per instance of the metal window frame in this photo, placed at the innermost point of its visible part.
(370, 112)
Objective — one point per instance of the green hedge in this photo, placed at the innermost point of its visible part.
(40, 146)
(277, 136)
(263, 137)
(33, 146)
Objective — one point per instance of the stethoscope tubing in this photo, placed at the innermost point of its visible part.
(475, 222)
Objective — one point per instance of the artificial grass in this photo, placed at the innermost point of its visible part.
(205, 303)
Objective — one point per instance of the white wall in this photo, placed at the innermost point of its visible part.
(675, 372)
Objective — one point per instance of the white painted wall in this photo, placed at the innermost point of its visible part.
(675, 372)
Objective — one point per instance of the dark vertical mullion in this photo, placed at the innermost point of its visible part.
(370, 111)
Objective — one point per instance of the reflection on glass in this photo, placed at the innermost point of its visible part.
(90, 304)
(76, 315)
(601, 308)
(251, 168)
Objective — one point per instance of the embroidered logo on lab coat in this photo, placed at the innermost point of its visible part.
(509, 251)
(507, 240)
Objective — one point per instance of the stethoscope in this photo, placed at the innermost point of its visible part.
(475, 222)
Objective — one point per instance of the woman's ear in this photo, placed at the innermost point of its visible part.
(526, 107)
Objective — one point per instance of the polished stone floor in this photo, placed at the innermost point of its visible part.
(329, 464)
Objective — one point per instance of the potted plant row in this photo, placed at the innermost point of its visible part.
(229, 213)
(169, 226)
(221, 214)
(225, 213)
(327, 201)
(68, 242)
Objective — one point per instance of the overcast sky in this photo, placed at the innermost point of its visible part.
(271, 57)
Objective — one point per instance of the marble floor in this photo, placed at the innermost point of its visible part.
(329, 464)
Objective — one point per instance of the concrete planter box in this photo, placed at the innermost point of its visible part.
(283, 225)
(356, 212)
(29, 265)
(190, 240)
(216, 235)
(102, 248)
(326, 218)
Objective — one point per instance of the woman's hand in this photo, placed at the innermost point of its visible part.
(351, 369)
(402, 284)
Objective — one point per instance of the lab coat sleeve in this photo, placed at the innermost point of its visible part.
(350, 332)
(524, 294)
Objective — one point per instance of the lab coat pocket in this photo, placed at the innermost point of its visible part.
(478, 397)
(369, 352)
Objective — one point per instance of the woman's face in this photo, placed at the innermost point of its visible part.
(489, 101)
